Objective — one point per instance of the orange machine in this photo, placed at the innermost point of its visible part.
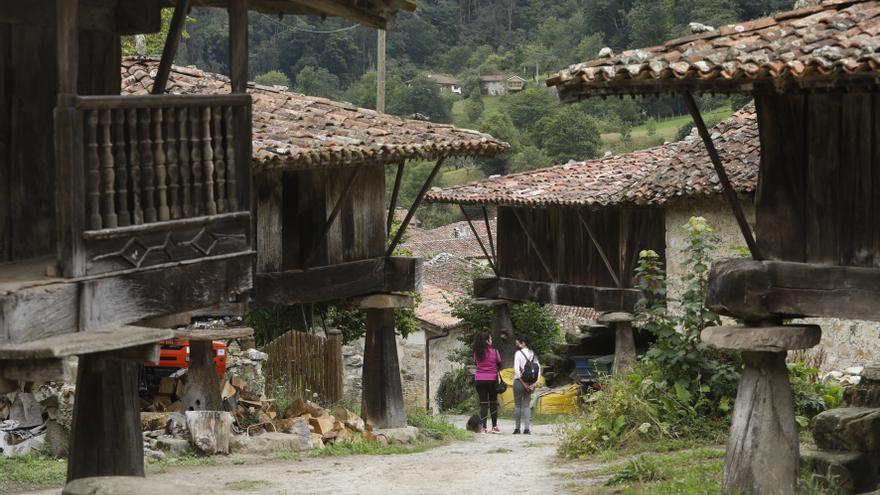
(175, 354)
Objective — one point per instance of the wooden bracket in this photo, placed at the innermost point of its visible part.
(479, 241)
(412, 210)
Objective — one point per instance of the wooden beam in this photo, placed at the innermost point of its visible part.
(170, 49)
(489, 234)
(340, 10)
(479, 241)
(598, 248)
(394, 194)
(37, 370)
(340, 202)
(525, 230)
(412, 211)
(772, 290)
(269, 220)
(729, 192)
(382, 401)
(238, 45)
(599, 298)
(79, 343)
(341, 281)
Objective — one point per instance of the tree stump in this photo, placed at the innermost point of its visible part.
(762, 450)
(202, 392)
(106, 432)
(382, 401)
(210, 431)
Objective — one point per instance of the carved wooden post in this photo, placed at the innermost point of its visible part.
(108, 174)
(219, 164)
(136, 212)
(123, 216)
(208, 160)
(762, 450)
(173, 168)
(382, 402)
(183, 156)
(161, 173)
(94, 175)
(106, 433)
(231, 191)
(624, 343)
(503, 337)
(198, 205)
(147, 170)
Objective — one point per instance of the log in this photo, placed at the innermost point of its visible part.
(382, 401)
(210, 431)
(106, 433)
(762, 450)
(203, 387)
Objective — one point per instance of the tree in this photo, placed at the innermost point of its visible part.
(569, 134)
(527, 107)
(474, 105)
(420, 96)
(650, 22)
(317, 82)
(272, 78)
(529, 158)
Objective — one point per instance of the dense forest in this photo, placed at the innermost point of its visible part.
(466, 39)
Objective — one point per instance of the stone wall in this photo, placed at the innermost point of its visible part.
(353, 366)
(844, 343)
(440, 351)
(411, 357)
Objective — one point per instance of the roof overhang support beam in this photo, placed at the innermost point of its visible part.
(412, 211)
(479, 241)
(394, 195)
(170, 49)
(584, 296)
(339, 10)
(489, 234)
(729, 192)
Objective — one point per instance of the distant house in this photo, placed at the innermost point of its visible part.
(446, 83)
(496, 84)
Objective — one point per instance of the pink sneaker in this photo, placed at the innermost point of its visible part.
(496, 429)
(485, 430)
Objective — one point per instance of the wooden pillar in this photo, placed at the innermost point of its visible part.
(238, 45)
(106, 433)
(382, 401)
(503, 337)
(624, 342)
(202, 392)
(762, 449)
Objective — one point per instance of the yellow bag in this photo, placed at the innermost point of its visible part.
(560, 400)
(505, 400)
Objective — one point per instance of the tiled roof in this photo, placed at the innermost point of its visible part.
(492, 78)
(435, 308)
(442, 79)
(570, 318)
(456, 239)
(804, 46)
(688, 171)
(291, 130)
(650, 176)
(445, 278)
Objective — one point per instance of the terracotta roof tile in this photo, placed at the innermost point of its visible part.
(455, 239)
(291, 130)
(650, 176)
(435, 308)
(836, 39)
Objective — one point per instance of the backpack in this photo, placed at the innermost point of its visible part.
(530, 371)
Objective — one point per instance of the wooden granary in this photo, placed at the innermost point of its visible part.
(571, 234)
(322, 223)
(814, 75)
(116, 210)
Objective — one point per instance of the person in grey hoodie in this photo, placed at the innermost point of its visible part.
(522, 390)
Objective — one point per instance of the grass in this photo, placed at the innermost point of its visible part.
(358, 446)
(18, 473)
(667, 128)
(245, 485)
(435, 427)
(539, 419)
(186, 460)
(499, 450)
(459, 115)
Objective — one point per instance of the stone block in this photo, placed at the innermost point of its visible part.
(173, 446)
(847, 472)
(130, 485)
(406, 434)
(762, 339)
(862, 395)
(153, 420)
(848, 428)
(272, 442)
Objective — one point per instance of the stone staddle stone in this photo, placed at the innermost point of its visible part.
(762, 339)
(615, 317)
(129, 485)
(872, 372)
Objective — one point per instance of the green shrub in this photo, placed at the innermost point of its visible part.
(456, 392)
(434, 427)
(641, 470)
(810, 395)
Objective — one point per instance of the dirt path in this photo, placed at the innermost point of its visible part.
(505, 463)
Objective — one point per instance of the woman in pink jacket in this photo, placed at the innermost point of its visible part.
(488, 360)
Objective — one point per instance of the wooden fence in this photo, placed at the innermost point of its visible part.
(300, 362)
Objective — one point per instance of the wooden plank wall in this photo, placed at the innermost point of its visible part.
(5, 102)
(820, 185)
(299, 361)
(358, 232)
(566, 247)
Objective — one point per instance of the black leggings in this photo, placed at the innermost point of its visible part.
(488, 400)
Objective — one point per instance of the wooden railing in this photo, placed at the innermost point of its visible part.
(299, 362)
(150, 159)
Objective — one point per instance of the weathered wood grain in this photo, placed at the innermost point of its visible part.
(856, 181)
(195, 334)
(78, 343)
(382, 403)
(37, 370)
(202, 392)
(600, 298)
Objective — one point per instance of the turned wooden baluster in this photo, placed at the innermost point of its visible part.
(108, 174)
(208, 162)
(94, 176)
(219, 164)
(231, 191)
(137, 213)
(123, 216)
(196, 163)
(161, 174)
(147, 164)
(173, 169)
(183, 156)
